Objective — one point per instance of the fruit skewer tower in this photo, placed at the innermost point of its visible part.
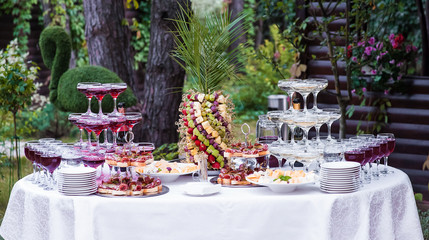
(205, 112)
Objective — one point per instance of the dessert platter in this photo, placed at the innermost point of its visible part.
(282, 181)
(143, 186)
(230, 177)
(247, 150)
(133, 156)
(167, 171)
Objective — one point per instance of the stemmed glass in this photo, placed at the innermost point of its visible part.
(377, 153)
(116, 122)
(306, 156)
(97, 125)
(274, 116)
(82, 122)
(73, 118)
(29, 154)
(321, 84)
(83, 88)
(305, 121)
(50, 159)
(390, 138)
(334, 114)
(286, 85)
(99, 91)
(305, 87)
(131, 119)
(322, 118)
(115, 91)
(287, 118)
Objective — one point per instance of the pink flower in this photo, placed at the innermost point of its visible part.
(399, 77)
(276, 55)
(414, 48)
(373, 72)
(353, 90)
(371, 40)
(379, 57)
(382, 54)
(392, 61)
(391, 37)
(354, 59)
(364, 89)
(400, 64)
(379, 45)
(386, 92)
(408, 48)
(368, 50)
(361, 43)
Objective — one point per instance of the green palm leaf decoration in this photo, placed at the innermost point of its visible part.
(202, 48)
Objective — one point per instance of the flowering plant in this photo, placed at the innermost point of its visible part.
(379, 65)
(16, 78)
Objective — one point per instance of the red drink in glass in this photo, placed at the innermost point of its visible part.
(84, 89)
(375, 152)
(27, 154)
(117, 90)
(97, 127)
(99, 92)
(50, 161)
(391, 144)
(355, 156)
(267, 139)
(131, 122)
(93, 161)
(116, 123)
(383, 149)
(368, 154)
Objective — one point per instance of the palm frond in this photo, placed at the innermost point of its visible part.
(202, 48)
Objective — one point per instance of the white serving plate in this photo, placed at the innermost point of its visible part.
(281, 188)
(201, 188)
(168, 177)
(340, 165)
(77, 170)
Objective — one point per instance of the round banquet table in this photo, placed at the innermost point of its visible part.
(384, 209)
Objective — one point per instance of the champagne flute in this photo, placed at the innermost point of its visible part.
(321, 84)
(115, 91)
(286, 85)
(83, 88)
(390, 138)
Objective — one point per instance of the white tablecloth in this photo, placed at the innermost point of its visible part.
(385, 209)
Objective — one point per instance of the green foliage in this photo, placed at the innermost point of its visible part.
(166, 152)
(202, 48)
(141, 32)
(16, 79)
(262, 70)
(276, 12)
(424, 221)
(55, 47)
(21, 11)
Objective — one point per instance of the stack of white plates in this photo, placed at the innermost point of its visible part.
(78, 181)
(339, 177)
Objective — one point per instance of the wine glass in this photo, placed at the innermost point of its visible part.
(306, 156)
(115, 91)
(73, 118)
(131, 119)
(375, 144)
(50, 159)
(280, 152)
(274, 116)
(334, 114)
(390, 138)
(354, 153)
(94, 160)
(116, 122)
(97, 125)
(29, 154)
(286, 85)
(305, 121)
(83, 88)
(304, 87)
(321, 84)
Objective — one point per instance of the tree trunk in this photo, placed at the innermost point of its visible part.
(161, 98)
(425, 43)
(235, 7)
(108, 40)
